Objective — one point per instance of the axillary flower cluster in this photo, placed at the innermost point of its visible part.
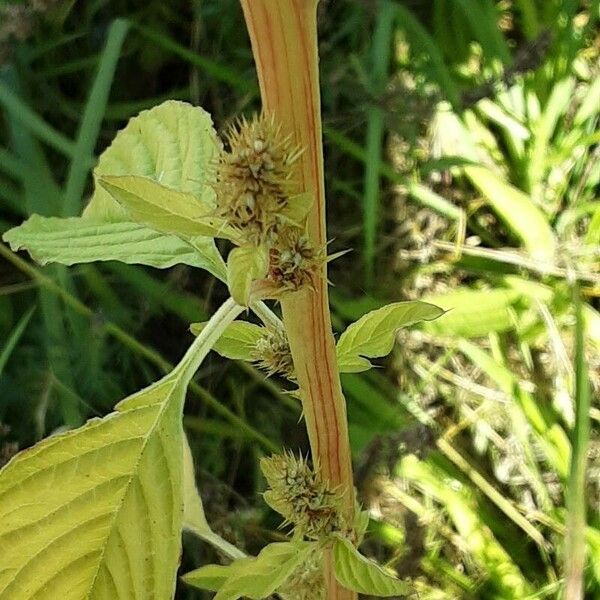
(302, 497)
(257, 196)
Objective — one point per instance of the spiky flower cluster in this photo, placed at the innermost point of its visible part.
(258, 195)
(273, 355)
(293, 261)
(254, 176)
(300, 495)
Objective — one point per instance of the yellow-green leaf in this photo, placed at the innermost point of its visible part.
(75, 240)
(244, 265)
(173, 143)
(374, 333)
(356, 572)
(96, 513)
(256, 577)
(164, 209)
(238, 341)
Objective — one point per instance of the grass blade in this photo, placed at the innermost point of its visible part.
(42, 195)
(575, 494)
(92, 119)
(213, 69)
(380, 64)
(33, 122)
(14, 338)
(11, 165)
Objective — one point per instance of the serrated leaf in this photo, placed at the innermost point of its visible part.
(164, 209)
(238, 342)
(96, 513)
(356, 572)
(173, 143)
(256, 577)
(76, 240)
(373, 334)
(517, 210)
(244, 265)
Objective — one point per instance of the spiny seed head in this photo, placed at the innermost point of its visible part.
(302, 497)
(255, 176)
(272, 353)
(293, 261)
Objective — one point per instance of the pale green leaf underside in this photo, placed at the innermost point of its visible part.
(374, 333)
(239, 340)
(194, 519)
(96, 513)
(356, 572)
(173, 143)
(256, 577)
(164, 209)
(76, 240)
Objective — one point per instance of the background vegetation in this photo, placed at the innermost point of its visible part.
(462, 151)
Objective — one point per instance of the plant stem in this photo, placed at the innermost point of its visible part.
(284, 44)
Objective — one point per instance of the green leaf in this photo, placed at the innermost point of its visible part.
(356, 572)
(238, 342)
(373, 334)
(244, 265)
(214, 577)
(517, 210)
(194, 519)
(253, 578)
(96, 513)
(76, 240)
(173, 143)
(164, 209)
(473, 313)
